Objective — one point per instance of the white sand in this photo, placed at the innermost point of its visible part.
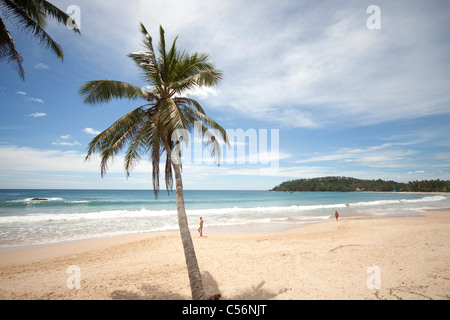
(330, 260)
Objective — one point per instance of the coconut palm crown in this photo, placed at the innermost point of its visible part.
(158, 125)
(31, 17)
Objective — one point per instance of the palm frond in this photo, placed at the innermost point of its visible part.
(157, 147)
(8, 50)
(189, 102)
(139, 145)
(206, 78)
(34, 10)
(212, 144)
(192, 64)
(150, 70)
(112, 140)
(56, 13)
(193, 71)
(147, 40)
(199, 115)
(147, 61)
(20, 16)
(172, 116)
(162, 54)
(101, 91)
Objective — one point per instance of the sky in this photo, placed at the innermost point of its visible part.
(310, 89)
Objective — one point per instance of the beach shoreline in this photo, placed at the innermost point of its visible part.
(326, 260)
(232, 229)
(81, 215)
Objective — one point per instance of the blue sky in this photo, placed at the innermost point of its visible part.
(346, 100)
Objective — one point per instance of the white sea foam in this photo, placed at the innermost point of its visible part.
(296, 211)
(397, 201)
(30, 200)
(95, 215)
(79, 201)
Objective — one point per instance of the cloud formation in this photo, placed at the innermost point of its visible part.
(91, 131)
(23, 93)
(41, 65)
(36, 100)
(65, 143)
(37, 114)
(301, 64)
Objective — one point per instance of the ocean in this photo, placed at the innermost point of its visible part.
(70, 215)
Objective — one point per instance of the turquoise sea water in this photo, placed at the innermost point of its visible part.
(69, 215)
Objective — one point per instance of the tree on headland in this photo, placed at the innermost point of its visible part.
(346, 184)
(31, 17)
(429, 186)
(157, 126)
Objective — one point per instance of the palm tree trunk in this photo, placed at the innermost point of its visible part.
(195, 278)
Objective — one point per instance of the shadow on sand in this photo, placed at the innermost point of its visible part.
(149, 292)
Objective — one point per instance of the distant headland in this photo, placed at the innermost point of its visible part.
(347, 184)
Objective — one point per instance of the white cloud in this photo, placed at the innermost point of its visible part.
(202, 92)
(64, 143)
(67, 136)
(31, 159)
(27, 159)
(37, 114)
(418, 171)
(36, 100)
(41, 65)
(16, 158)
(298, 64)
(320, 64)
(23, 93)
(387, 155)
(91, 131)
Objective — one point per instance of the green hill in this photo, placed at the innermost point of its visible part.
(346, 184)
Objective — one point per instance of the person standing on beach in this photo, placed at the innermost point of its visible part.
(336, 214)
(200, 230)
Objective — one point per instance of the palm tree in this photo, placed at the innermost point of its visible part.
(31, 17)
(160, 124)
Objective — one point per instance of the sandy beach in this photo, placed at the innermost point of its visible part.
(391, 258)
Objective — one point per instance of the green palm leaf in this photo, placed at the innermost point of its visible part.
(101, 91)
(8, 50)
(30, 17)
